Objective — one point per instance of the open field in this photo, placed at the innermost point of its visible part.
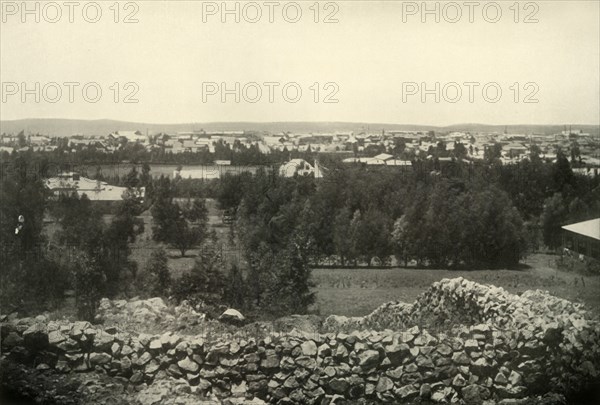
(167, 170)
(357, 292)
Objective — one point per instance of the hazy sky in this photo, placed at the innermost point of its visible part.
(372, 55)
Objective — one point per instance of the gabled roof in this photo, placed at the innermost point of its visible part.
(590, 228)
(383, 156)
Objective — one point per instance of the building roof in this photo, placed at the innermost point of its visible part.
(383, 156)
(299, 166)
(131, 136)
(590, 228)
(94, 189)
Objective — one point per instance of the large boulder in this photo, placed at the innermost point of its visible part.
(232, 315)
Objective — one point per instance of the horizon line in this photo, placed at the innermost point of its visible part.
(298, 122)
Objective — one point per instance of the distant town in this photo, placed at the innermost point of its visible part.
(385, 147)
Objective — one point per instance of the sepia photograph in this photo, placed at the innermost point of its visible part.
(312, 202)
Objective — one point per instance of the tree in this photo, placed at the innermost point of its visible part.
(575, 152)
(21, 140)
(579, 210)
(562, 174)
(145, 177)
(80, 224)
(131, 179)
(157, 277)
(164, 213)
(373, 235)
(98, 176)
(438, 226)
(399, 146)
(125, 226)
(355, 228)
(292, 293)
(183, 236)
(535, 152)
(260, 264)
(441, 148)
(29, 278)
(454, 225)
(190, 228)
(235, 288)
(206, 280)
(182, 227)
(554, 215)
(400, 239)
(231, 190)
(146, 182)
(460, 151)
(197, 211)
(341, 235)
(414, 232)
(495, 235)
(492, 153)
(88, 283)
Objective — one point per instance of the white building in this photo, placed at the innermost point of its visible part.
(95, 190)
(300, 167)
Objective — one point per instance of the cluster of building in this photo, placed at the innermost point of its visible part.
(387, 147)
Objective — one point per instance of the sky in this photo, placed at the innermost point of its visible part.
(380, 62)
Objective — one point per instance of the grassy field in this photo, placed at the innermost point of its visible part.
(357, 292)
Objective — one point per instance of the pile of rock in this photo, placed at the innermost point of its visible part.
(472, 363)
(395, 315)
(462, 301)
(148, 314)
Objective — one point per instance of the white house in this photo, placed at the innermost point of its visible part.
(300, 167)
(95, 190)
(130, 136)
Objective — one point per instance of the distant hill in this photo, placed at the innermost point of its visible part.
(67, 127)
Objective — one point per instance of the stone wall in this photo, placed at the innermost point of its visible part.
(484, 345)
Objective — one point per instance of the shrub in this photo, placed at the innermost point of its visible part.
(156, 280)
(89, 283)
(205, 281)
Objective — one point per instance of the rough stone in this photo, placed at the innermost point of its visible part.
(188, 364)
(99, 358)
(384, 384)
(368, 359)
(339, 385)
(309, 348)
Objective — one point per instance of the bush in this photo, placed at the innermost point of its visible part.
(32, 285)
(156, 280)
(89, 282)
(205, 281)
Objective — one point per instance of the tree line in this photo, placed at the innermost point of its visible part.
(455, 214)
(459, 214)
(79, 252)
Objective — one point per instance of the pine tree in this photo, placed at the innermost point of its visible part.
(158, 277)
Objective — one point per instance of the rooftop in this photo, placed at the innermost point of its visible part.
(589, 228)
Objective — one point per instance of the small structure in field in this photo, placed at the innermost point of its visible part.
(300, 167)
(583, 238)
